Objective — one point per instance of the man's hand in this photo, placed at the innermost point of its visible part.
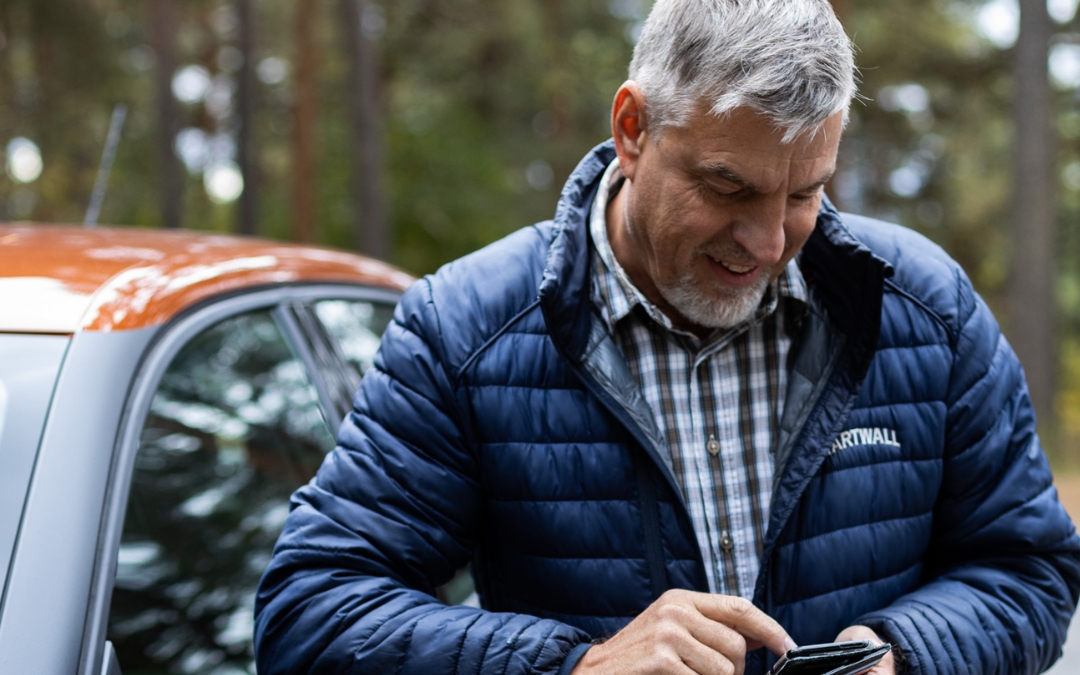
(887, 665)
(683, 633)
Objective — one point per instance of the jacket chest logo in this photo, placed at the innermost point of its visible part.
(866, 436)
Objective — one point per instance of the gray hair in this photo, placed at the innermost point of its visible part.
(788, 59)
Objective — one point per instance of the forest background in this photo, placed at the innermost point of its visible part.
(420, 130)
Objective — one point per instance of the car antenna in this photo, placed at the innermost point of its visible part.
(119, 113)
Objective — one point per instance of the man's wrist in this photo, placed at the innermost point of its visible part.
(574, 657)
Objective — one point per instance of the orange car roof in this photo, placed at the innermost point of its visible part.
(64, 279)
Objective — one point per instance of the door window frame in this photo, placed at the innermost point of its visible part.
(159, 355)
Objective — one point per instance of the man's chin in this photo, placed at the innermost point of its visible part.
(725, 310)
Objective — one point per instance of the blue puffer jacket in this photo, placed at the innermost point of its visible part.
(500, 426)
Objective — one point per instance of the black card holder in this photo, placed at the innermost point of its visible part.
(837, 658)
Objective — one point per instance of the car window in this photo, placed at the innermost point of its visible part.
(357, 326)
(234, 427)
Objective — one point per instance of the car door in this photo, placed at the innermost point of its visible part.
(234, 408)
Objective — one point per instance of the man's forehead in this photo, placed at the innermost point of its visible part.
(750, 153)
(748, 127)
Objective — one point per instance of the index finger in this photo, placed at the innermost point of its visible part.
(744, 618)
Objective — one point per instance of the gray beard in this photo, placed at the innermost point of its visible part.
(733, 308)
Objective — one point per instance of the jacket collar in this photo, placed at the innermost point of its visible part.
(565, 288)
(845, 275)
(848, 279)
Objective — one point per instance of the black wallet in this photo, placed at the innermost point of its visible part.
(837, 658)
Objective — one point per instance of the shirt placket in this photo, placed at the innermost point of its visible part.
(720, 452)
(737, 470)
(697, 488)
(756, 362)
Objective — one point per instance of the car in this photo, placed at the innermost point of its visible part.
(162, 393)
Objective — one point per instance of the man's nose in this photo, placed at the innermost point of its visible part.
(760, 230)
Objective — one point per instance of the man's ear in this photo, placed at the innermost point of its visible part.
(628, 126)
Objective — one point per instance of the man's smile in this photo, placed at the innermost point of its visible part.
(734, 274)
(737, 269)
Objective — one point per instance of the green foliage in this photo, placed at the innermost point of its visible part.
(959, 145)
(484, 92)
(475, 92)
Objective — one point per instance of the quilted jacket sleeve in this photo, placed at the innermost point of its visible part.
(1004, 568)
(392, 513)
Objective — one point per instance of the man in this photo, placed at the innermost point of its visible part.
(698, 414)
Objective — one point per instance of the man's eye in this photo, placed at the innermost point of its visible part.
(723, 191)
(803, 197)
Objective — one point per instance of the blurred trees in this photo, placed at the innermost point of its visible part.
(246, 149)
(477, 111)
(162, 19)
(485, 107)
(1031, 311)
(305, 106)
(362, 22)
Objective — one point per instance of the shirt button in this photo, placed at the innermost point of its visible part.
(713, 446)
(725, 542)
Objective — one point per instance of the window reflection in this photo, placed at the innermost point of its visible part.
(233, 429)
(357, 326)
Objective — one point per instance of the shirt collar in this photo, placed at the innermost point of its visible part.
(615, 296)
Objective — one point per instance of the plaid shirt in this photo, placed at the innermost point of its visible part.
(717, 400)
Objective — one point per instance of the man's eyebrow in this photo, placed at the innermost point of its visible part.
(820, 183)
(720, 171)
(723, 172)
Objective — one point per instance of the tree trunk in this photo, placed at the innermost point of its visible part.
(246, 148)
(163, 29)
(305, 115)
(1031, 301)
(371, 231)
